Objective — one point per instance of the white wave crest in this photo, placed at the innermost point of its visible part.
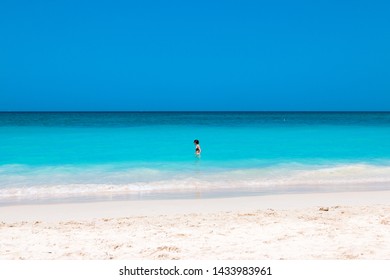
(283, 178)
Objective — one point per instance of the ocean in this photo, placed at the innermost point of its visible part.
(50, 157)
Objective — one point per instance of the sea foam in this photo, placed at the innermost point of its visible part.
(67, 182)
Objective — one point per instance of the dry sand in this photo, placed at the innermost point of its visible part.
(304, 226)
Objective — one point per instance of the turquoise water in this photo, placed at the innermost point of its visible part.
(59, 156)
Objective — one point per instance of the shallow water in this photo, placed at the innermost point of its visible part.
(72, 156)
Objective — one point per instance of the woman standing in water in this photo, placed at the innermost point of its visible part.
(197, 148)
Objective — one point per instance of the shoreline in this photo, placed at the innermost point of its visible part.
(130, 208)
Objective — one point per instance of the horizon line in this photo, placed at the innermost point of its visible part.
(197, 111)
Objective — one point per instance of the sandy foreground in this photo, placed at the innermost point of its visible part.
(294, 226)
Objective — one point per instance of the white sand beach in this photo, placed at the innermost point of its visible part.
(295, 227)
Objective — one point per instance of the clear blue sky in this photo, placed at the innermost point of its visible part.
(194, 55)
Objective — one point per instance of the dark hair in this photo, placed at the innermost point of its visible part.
(196, 141)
